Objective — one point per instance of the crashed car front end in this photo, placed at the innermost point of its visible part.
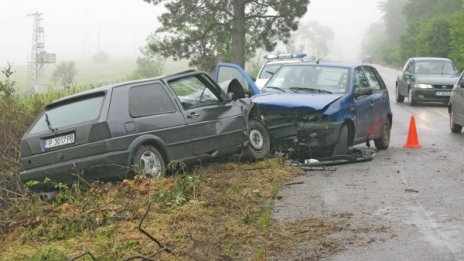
(300, 130)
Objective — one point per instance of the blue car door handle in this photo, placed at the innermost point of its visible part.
(193, 114)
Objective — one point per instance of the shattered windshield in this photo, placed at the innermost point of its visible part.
(308, 79)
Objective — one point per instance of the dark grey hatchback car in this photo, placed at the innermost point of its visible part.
(106, 131)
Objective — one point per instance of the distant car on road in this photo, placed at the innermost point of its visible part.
(108, 131)
(426, 79)
(273, 64)
(320, 109)
(456, 106)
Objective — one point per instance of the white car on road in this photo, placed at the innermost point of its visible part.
(273, 64)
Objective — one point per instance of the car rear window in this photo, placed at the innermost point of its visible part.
(67, 114)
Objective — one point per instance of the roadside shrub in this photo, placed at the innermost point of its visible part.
(17, 112)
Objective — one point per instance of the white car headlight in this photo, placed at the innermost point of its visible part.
(423, 86)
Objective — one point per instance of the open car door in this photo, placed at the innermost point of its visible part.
(233, 79)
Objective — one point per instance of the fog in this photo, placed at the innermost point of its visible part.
(77, 29)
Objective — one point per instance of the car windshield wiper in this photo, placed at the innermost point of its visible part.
(275, 88)
(309, 89)
(49, 125)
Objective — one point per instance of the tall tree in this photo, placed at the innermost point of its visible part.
(64, 73)
(207, 31)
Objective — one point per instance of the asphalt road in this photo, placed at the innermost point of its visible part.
(406, 204)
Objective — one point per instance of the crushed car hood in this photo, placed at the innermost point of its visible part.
(291, 101)
(436, 79)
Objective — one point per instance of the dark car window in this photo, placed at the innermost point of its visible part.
(192, 92)
(372, 78)
(148, 100)
(360, 80)
(68, 114)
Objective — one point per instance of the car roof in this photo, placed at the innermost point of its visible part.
(111, 86)
(283, 61)
(331, 64)
(430, 58)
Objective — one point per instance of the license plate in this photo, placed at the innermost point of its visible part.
(59, 141)
(443, 93)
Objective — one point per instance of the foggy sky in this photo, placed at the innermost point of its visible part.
(72, 28)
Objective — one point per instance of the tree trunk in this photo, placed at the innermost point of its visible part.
(238, 33)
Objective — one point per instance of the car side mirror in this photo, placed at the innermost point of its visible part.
(363, 92)
(407, 74)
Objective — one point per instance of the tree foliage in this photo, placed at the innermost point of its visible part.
(312, 37)
(65, 73)
(208, 31)
(432, 28)
(150, 64)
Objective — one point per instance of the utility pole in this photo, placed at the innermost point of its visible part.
(38, 59)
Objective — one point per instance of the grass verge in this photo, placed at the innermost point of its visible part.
(217, 212)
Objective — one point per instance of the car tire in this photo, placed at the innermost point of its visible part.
(341, 147)
(383, 142)
(399, 97)
(259, 142)
(412, 101)
(455, 128)
(149, 162)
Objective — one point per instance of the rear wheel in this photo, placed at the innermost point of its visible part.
(149, 161)
(455, 128)
(383, 142)
(399, 97)
(412, 101)
(259, 143)
(341, 147)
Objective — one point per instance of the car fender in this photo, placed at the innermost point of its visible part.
(147, 139)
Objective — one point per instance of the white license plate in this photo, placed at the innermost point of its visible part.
(443, 93)
(59, 141)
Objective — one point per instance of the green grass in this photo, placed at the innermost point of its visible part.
(92, 74)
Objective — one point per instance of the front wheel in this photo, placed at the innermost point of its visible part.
(399, 97)
(455, 128)
(149, 161)
(411, 99)
(259, 143)
(383, 142)
(341, 147)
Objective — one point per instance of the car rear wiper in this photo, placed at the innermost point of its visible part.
(275, 88)
(48, 123)
(309, 89)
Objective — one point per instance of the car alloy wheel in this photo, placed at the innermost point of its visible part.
(150, 162)
(259, 143)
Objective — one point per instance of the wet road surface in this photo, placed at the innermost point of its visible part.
(404, 205)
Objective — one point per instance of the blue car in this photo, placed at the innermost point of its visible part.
(317, 109)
